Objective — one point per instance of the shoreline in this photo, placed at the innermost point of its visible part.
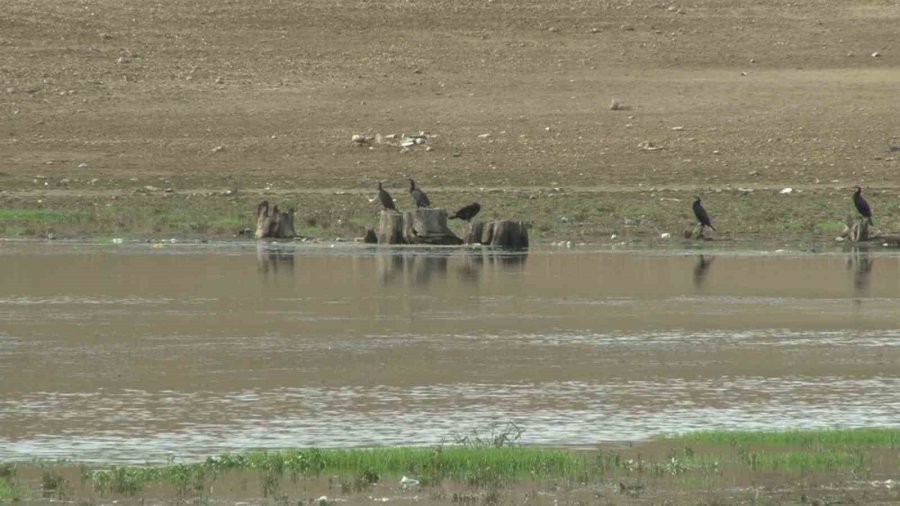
(737, 465)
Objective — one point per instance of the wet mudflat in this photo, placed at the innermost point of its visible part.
(139, 353)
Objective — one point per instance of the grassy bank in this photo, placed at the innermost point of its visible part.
(786, 465)
(588, 215)
(843, 438)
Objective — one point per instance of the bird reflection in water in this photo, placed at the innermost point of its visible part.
(861, 263)
(701, 268)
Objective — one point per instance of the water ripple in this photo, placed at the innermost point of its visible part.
(137, 426)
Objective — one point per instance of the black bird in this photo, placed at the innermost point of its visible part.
(700, 268)
(418, 195)
(861, 205)
(468, 212)
(386, 200)
(701, 215)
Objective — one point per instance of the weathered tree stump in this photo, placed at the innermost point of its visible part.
(474, 232)
(390, 228)
(276, 224)
(508, 234)
(856, 229)
(428, 226)
(488, 233)
(697, 232)
(371, 237)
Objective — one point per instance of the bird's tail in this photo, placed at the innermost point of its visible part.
(870, 221)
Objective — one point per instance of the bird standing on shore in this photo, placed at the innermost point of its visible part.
(861, 205)
(467, 212)
(386, 200)
(702, 215)
(418, 195)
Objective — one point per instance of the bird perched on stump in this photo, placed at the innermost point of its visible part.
(702, 215)
(861, 205)
(418, 195)
(386, 200)
(468, 212)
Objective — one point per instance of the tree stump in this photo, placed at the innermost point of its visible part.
(856, 229)
(371, 237)
(390, 228)
(428, 226)
(697, 233)
(275, 223)
(474, 232)
(508, 234)
(488, 233)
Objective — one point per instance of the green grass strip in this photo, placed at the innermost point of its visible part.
(41, 215)
(866, 437)
(478, 466)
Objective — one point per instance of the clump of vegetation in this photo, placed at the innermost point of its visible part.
(10, 490)
(53, 484)
(500, 435)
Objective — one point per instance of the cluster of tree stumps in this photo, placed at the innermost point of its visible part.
(429, 226)
(274, 223)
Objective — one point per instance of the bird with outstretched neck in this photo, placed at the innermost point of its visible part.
(418, 195)
(702, 215)
(861, 205)
(467, 212)
(386, 200)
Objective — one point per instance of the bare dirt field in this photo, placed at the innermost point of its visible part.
(156, 118)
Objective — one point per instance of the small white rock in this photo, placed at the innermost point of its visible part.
(786, 191)
(665, 235)
(876, 54)
(407, 482)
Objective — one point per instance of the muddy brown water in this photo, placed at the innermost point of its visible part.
(134, 353)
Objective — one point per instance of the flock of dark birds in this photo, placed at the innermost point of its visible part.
(468, 212)
(421, 199)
